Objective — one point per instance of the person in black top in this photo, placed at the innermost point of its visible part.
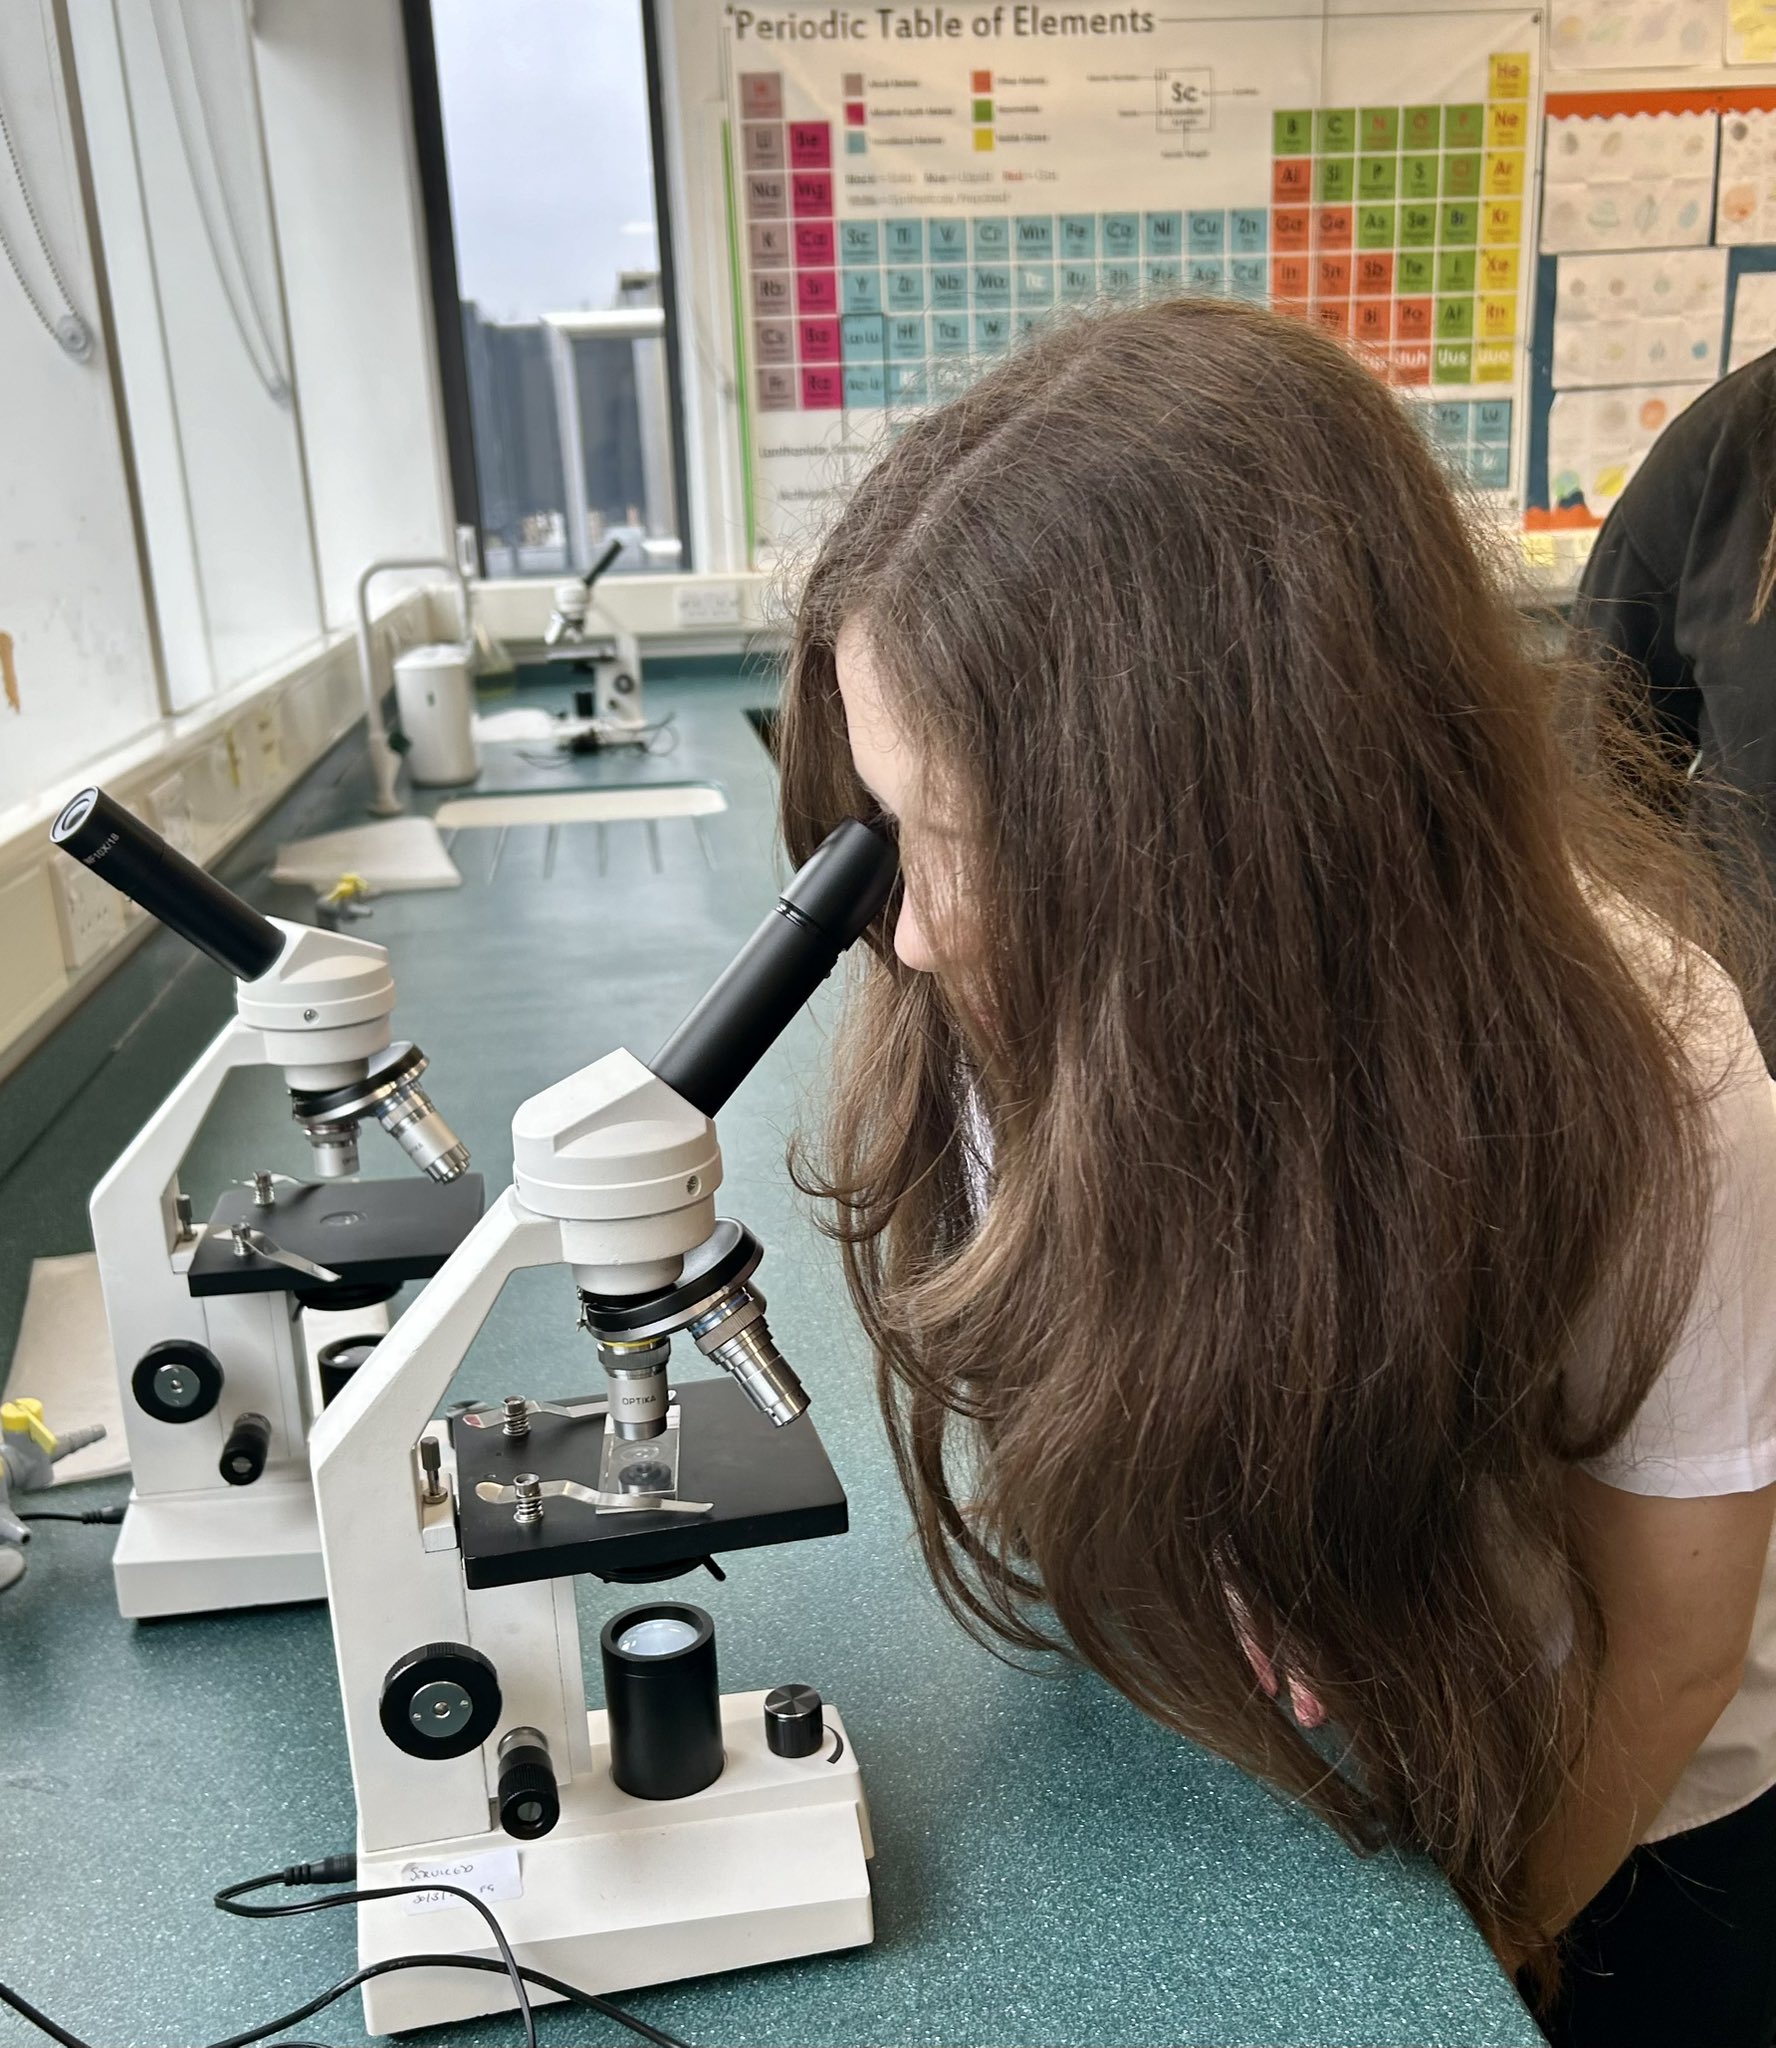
(1679, 587)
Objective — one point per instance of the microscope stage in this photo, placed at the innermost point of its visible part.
(372, 1233)
(768, 1485)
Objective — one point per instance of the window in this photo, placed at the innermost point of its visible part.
(564, 379)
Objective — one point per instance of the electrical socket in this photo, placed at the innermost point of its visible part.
(706, 604)
(89, 912)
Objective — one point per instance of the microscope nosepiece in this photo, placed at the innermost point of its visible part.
(735, 1334)
(408, 1116)
(390, 1091)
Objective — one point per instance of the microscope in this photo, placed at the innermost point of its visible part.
(580, 636)
(679, 1831)
(221, 1328)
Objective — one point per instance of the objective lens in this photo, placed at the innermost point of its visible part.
(406, 1113)
(657, 1638)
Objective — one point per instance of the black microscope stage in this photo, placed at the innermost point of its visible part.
(768, 1485)
(372, 1233)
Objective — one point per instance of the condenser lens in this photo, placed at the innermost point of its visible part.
(658, 1637)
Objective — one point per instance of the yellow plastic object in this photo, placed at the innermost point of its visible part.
(25, 1416)
(348, 889)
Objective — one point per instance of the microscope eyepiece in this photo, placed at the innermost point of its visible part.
(139, 864)
(829, 902)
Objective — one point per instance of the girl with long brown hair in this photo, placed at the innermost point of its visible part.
(1306, 1180)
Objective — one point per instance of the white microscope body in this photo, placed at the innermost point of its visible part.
(452, 1593)
(216, 1373)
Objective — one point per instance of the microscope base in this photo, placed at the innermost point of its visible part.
(251, 1546)
(768, 1863)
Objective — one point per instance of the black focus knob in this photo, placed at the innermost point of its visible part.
(336, 1363)
(529, 1803)
(794, 1722)
(179, 1380)
(441, 1700)
(247, 1448)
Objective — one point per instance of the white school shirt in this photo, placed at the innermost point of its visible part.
(1708, 1425)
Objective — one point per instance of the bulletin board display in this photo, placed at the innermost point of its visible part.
(913, 188)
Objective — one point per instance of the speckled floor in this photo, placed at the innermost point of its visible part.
(1050, 1867)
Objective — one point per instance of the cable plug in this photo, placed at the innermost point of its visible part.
(94, 1518)
(329, 1870)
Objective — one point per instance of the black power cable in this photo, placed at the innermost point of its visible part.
(96, 1518)
(341, 1870)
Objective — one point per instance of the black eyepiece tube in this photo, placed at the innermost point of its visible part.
(139, 864)
(830, 901)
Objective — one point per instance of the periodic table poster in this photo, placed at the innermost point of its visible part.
(915, 187)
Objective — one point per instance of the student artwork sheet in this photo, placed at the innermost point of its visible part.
(1628, 181)
(1745, 210)
(1598, 439)
(1754, 318)
(918, 187)
(1600, 35)
(1639, 317)
(1751, 32)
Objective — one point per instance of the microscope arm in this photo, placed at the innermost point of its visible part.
(147, 1172)
(389, 1592)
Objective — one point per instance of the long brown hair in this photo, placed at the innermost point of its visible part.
(1327, 1117)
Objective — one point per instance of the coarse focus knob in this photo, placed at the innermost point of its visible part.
(441, 1700)
(245, 1452)
(794, 1722)
(178, 1380)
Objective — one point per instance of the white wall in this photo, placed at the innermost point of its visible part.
(339, 142)
(71, 596)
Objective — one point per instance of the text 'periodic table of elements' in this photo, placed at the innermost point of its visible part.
(897, 229)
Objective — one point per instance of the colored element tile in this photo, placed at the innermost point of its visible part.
(1377, 177)
(1410, 363)
(769, 243)
(1035, 284)
(1248, 277)
(1207, 233)
(1079, 236)
(1335, 131)
(1333, 228)
(905, 291)
(907, 384)
(948, 238)
(904, 240)
(761, 145)
(1418, 227)
(1033, 236)
(983, 140)
(810, 145)
(1507, 125)
(1335, 316)
(1332, 277)
(1464, 127)
(1207, 274)
(1498, 318)
(817, 291)
(1161, 275)
(772, 291)
(1079, 283)
(1461, 176)
(1373, 275)
(1417, 272)
(1413, 319)
(1421, 128)
(822, 389)
(1418, 178)
(1119, 280)
(819, 341)
(1455, 319)
(1508, 76)
(1498, 270)
(949, 334)
(1291, 133)
(1164, 234)
(949, 286)
(1492, 422)
(1501, 224)
(1503, 175)
(854, 85)
(767, 195)
(1291, 229)
(992, 284)
(776, 388)
(773, 341)
(862, 337)
(1452, 362)
(992, 330)
(1379, 128)
(982, 81)
(906, 338)
(1495, 362)
(1249, 231)
(854, 116)
(1335, 180)
(1373, 321)
(1121, 234)
(856, 143)
(761, 95)
(816, 246)
(1376, 227)
(862, 291)
(810, 195)
(1490, 468)
(1459, 224)
(991, 238)
(1290, 278)
(866, 384)
(1456, 270)
(1291, 179)
(1448, 424)
(859, 241)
